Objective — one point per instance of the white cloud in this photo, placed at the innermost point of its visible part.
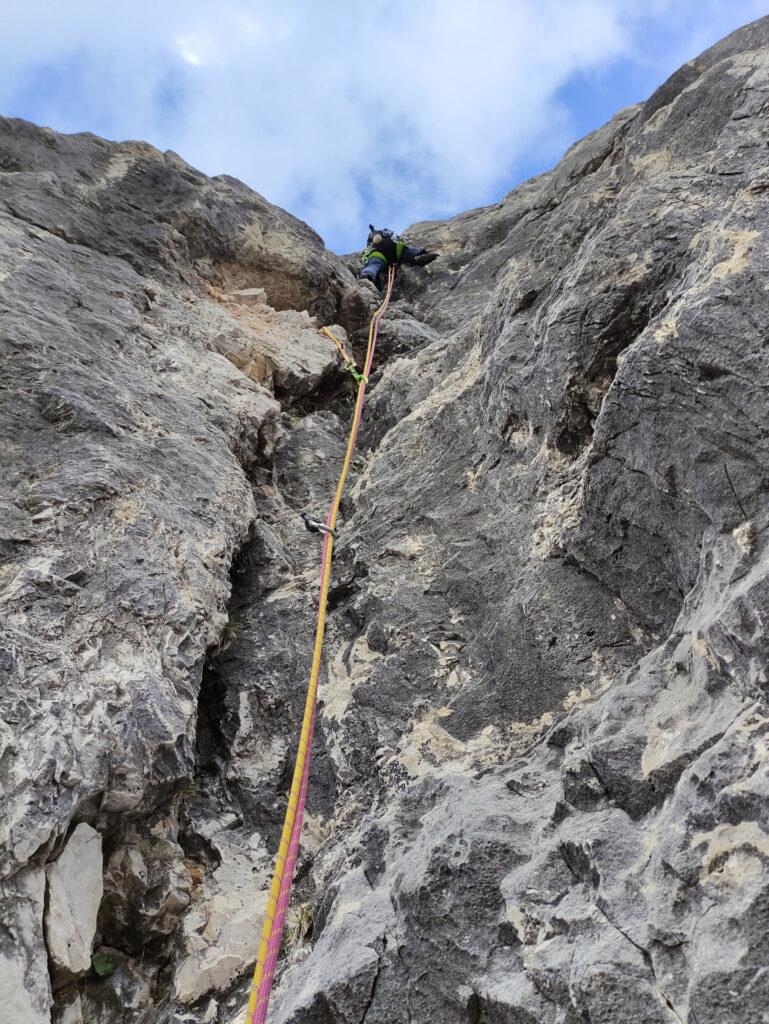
(189, 49)
(343, 112)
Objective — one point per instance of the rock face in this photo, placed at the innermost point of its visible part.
(539, 789)
(75, 889)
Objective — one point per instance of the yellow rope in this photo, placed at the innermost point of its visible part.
(281, 881)
(338, 343)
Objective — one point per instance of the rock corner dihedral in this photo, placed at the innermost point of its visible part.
(539, 782)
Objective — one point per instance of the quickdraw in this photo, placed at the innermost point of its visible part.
(349, 365)
(342, 350)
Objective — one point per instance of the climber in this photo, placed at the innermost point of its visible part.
(316, 526)
(384, 249)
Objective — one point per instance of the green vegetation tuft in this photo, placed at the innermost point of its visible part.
(103, 965)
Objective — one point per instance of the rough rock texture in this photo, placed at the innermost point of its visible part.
(24, 983)
(539, 791)
(128, 444)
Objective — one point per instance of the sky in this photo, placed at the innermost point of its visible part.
(351, 111)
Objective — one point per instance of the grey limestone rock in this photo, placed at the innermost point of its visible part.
(539, 787)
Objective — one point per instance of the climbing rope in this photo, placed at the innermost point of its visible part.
(349, 365)
(342, 350)
(285, 861)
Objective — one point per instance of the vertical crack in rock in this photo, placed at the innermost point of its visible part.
(251, 698)
(647, 957)
(372, 995)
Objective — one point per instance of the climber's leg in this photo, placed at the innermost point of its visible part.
(373, 272)
(412, 256)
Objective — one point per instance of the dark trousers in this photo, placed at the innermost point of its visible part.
(374, 271)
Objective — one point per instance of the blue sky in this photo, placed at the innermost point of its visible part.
(346, 112)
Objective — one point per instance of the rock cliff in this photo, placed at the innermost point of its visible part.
(539, 790)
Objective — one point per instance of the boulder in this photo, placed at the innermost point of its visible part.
(75, 890)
